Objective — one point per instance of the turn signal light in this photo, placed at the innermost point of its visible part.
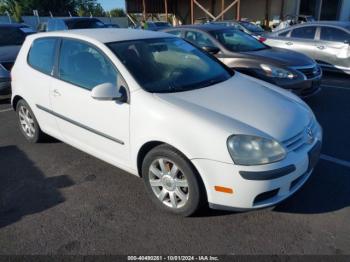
(224, 189)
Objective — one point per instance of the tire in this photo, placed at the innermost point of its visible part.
(172, 182)
(27, 123)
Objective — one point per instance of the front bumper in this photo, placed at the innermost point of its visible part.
(305, 88)
(252, 194)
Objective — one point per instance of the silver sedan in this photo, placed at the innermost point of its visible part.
(327, 42)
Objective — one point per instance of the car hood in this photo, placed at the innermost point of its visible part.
(9, 53)
(259, 107)
(282, 57)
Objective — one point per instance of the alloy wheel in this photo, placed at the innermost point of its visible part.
(168, 183)
(27, 122)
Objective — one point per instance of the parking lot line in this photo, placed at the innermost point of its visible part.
(5, 110)
(336, 160)
(338, 87)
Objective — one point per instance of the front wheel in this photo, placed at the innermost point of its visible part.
(171, 181)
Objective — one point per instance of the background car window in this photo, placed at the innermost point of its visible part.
(42, 55)
(237, 41)
(307, 32)
(175, 32)
(198, 38)
(252, 27)
(84, 23)
(334, 34)
(284, 34)
(84, 66)
(11, 36)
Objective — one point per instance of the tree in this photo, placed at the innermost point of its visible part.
(117, 12)
(87, 7)
(57, 7)
(13, 7)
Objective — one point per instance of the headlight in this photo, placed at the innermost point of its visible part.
(251, 150)
(277, 72)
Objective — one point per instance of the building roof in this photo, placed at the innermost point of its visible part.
(106, 35)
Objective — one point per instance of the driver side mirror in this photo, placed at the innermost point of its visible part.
(211, 49)
(347, 42)
(108, 92)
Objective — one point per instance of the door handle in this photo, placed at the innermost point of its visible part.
(56, 93)
(289, 43)
(321, 47)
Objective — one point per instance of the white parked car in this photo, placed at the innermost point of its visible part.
(157, 107)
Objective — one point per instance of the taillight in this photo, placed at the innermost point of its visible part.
(262, 39)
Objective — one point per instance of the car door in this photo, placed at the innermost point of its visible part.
(280, 40)
(39, 76)
(100, 128)
(332, 47)
(302, 40)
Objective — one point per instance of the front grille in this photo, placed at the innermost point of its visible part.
(7, 65)
(298, 141)
(310, 72)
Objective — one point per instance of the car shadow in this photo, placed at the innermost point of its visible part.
(24, 189)
(327, 190)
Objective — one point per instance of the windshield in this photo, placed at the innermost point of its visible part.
(252, 28)
(13, 35)
(168, 65)
(83, 24)
(237, 41)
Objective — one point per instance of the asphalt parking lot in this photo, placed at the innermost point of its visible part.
(55, 199)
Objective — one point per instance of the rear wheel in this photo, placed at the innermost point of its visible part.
(27, 122)
(171, 181)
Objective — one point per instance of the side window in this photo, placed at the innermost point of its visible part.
(284, 34)
(175, 33)
(199, 39)
(307, 32)
(333, 34)
(42, 54)
(84, 65)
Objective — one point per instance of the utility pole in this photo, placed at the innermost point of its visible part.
(8, 16)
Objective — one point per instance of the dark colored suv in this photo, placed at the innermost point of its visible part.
(59, 24)
(12, 37)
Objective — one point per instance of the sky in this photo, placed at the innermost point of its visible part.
(110, 4)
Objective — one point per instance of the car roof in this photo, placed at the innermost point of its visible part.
(204, 27)
(336, 23)
(343, 24)
(105, 35)
(74, 18)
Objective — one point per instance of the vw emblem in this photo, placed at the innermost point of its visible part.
(309, 135)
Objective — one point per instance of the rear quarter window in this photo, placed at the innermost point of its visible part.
(42, 55)
(334, 34)
(284, 34)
